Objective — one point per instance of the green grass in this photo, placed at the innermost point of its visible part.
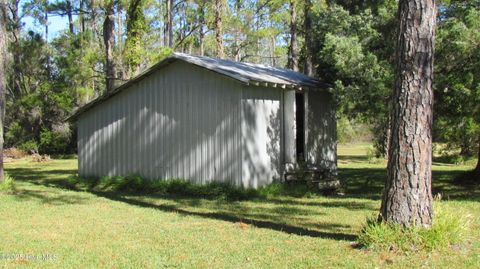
(450, 229)
(90, 228)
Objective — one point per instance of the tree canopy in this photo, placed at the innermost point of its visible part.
(349, 44)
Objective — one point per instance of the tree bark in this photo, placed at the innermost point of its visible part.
(407, 198)
(3, 65)
(45, 17)
(292, 51)
(219, 29)
(82, 16)
(238, 8)
(16, 26)
(109, 41)
(201, 32)
(307, 25)
(70, 17)
(168, 24)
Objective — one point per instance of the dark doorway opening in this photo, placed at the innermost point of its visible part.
(300, 125)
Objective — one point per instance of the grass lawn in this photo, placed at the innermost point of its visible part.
(82, 229)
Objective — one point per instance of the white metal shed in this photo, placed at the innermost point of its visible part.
(204, 119)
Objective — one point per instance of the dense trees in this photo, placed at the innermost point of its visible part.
(457, 83)
(407, 197)
(347, 43)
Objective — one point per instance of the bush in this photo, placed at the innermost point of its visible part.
(374, 156)
(349, 131)
(455, 158)
(55, 141)
(8, 185)
(29, 146)
(448, 229)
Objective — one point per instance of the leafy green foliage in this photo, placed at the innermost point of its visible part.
(136, 28)
(55, 141)
(351, 58)
(8, 185)
(457, 83)
(353, 47)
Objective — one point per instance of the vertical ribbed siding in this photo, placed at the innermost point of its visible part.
(261, 136)
(180, 122)
(321, 146)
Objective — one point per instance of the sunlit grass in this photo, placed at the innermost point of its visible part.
(87, 229)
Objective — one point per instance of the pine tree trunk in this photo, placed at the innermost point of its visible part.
(407, 199)
(17, 59)
(70, 17)
(219, 29)
(309, 71)
(81, 15)
(45, 17)
(109, 41)
(168, 24)
(201, 33)
(238, 6)
(3, 52)
(292, 52)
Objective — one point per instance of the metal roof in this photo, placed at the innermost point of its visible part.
(252, 73)
(247, 73)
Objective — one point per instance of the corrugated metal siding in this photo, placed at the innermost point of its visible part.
(180, 122)
(321, 146)
(261, 136)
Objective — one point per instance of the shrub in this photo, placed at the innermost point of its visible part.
(8, 185)
(350, 130)
(29, 146)
(448, 229)
(56, 140)
(374, 156)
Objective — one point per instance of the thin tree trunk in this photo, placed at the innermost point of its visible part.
(307, 25)
(49, 63)
(218, 28)
(109, 41)
(238, 8)
(272, 50)
(46, 24)
(120, 32)
(201, 33)
(94, 18)
(3, 65)
(15, 20)
(168, 24)
(407, 198)
(292, 51)
(81, 14)
(70, 17)
(15, 31)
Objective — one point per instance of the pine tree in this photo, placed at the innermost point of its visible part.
(407, 198)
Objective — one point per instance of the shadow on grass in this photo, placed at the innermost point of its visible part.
(235, 218)
(275, 213)
(369, 182)
(263, 213)
(49, 197)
